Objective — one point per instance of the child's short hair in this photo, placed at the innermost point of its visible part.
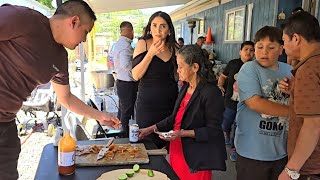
(250, 43)
(273, 33)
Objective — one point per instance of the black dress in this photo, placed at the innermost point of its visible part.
(157, 93)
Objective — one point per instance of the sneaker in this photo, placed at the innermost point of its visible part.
(233, 154)
(227, 138)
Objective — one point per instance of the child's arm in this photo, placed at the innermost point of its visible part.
(250, 92)
(264, 106)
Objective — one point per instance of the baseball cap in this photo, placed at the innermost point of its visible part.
(203, 35)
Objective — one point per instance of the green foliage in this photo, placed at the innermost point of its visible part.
(109, 22)
(46, 3)
(102, 60)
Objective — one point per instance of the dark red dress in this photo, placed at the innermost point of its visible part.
(177, 159)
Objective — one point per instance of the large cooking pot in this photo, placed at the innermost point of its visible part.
(102, 79)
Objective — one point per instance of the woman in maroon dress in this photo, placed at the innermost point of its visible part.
(197, 141)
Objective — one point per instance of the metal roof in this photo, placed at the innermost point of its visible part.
(105, 6)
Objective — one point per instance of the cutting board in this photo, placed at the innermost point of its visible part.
(141, 157)
(142, 174)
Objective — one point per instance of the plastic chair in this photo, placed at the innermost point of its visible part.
(42, 99)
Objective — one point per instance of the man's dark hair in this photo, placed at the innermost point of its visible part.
(304, 24)
(75, 8)
(246, 43)
(297, 9)
(126, 24)
(180, 39)
(273, 33)
(201, 37)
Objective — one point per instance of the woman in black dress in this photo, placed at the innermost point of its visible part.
(154, 64)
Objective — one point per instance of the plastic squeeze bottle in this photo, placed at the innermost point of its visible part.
(66, 154)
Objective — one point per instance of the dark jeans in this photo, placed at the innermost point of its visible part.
(10, 148)
(249, 169)
(229, 116)
(127, 92)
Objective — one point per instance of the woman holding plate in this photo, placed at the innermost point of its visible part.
(196, 141)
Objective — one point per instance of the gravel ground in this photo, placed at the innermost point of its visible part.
(31, 151)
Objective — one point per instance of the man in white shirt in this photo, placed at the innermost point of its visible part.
(126, 86)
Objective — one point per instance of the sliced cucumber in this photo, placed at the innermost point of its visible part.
(150, 173)
(123, 177)
(136, 168)
(130, 173)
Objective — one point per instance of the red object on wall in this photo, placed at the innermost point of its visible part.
(209, 39)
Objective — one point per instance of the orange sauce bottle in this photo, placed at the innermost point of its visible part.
(66, 154)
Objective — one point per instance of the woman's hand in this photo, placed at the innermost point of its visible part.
(145, 132)
(156, 48)
(173, 135)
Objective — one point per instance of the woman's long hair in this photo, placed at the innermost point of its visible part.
(194, 54)
(171, 39)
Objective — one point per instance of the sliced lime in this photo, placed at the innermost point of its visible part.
(122, 177)
(136, 168)
(130, 173)
(150, 173)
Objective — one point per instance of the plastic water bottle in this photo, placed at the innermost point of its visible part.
(57, 135)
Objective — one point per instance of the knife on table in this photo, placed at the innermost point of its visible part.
(104, 149)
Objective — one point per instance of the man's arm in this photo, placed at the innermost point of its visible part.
(265, 106)
(71, 102)
(221, 80)
(125, 57)
(306, 143)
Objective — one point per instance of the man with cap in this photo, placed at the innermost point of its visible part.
(201, 39)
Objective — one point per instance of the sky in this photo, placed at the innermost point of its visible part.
(166, 9)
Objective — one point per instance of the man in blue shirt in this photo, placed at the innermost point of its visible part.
(126, 86)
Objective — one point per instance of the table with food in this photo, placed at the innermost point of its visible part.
(116, 159)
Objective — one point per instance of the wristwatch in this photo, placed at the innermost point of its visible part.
(291, 173)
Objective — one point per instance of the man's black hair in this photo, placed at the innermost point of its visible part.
(75, 8)
(297, 9)
(201, 37)
(125, 24)
(250, 43)
(304, 24)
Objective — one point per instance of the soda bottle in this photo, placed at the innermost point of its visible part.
(66, 154)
